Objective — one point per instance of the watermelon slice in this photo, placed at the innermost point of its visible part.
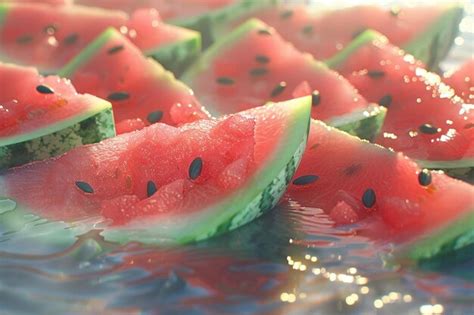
(462, 81)
(204, 16)
(425, 120)
(359, 179)
(425, 31)
(254, 65)
(48, 37)
(141, 91)
(168, 184)
(42, 117)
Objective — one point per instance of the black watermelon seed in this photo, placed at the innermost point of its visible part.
(385, 100)
(150, 188)
(358, 32)
(286, 14)
(50, 29)
(265, 32)
(315, 98)
(279, 88)
(368, 198)
(85, 187)
(351, 170)
(424, 177)
(262, 59)
(115, 49)
(195, 168)
(394, 11)
(258, 72)
(428, 129)
(469, 125)
(24, 39)
(375, 74)
(43, 89)
(155, 116)
(118, 96)
(307, 30)
(71, 39)
(225, 81)
(305, 180)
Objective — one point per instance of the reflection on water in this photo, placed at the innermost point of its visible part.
(289, 261)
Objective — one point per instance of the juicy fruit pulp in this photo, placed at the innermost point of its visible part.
(462, 81)
(48, 37)
(254, 65)
(141, 91)
(213, 175)
(323, 34)
(44, 116)
(353, 179)
(425, 119)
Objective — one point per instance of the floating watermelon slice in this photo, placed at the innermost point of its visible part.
(462, 81)
(167, 184)
(352, 179)
(141, 91)
(42, 117)
(201, 15)
(323, 33)
(254, 65)
(48, 37)
(425, 120)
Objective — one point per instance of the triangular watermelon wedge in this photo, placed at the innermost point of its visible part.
(164, 184)
(426, 31)
(41, 117)
(425, 119)
(140, 90)
(253, 65)
(49, 36)
(351, 179)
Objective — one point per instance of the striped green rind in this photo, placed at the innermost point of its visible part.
(444, 241)
(210, 23)
(90, 126)
(365, 124)
(261, 193)
(176, 57)
(433, 45)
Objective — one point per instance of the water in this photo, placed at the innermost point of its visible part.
(291, 261)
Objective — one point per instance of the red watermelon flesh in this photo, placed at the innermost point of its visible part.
(337, 170)
(425, 119)
(324, 33)
(23, 108)
(462, 81)
(56, 34)
(140, 90)
(176, 9)
(156, 171)
(254, 65)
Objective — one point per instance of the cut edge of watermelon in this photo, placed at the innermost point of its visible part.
(97, 106)
(443, 241)
(249, 202)
(365, 123)
(434, 44)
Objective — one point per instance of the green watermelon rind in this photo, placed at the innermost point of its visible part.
(90, 126)
(453, 236)
(365, 123)
(177, 56)
(434, 44)
(260, 195)
(207, 24)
